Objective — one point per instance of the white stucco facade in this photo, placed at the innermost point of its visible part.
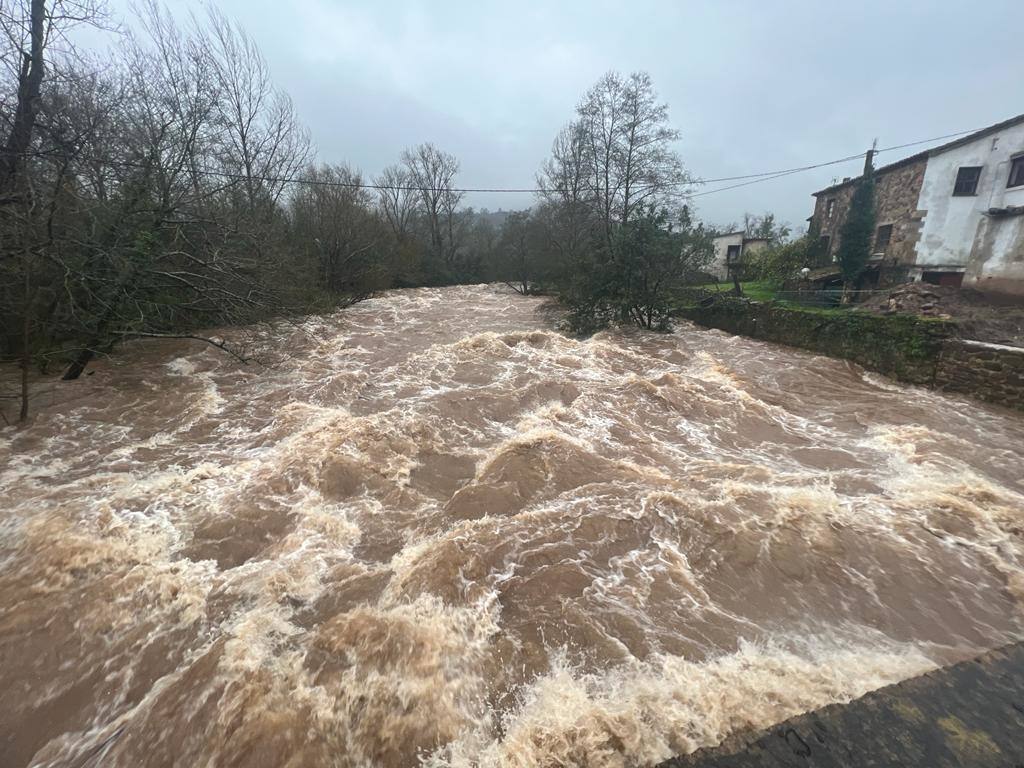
(741, 244)
(975, 234)
(719, 266)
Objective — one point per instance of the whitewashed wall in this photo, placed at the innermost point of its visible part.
(718, 267)
(956, 231)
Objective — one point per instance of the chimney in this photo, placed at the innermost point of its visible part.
(869, 158)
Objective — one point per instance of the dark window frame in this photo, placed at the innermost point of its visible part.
(733, 253)
(830, 207)
(882, 247)
(1016, 177)
(967, 179)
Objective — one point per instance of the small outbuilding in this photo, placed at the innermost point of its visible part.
(731, 251)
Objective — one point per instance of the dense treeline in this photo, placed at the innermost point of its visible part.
(171, 187)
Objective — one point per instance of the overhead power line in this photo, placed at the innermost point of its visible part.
(746, 179)
(779, 174)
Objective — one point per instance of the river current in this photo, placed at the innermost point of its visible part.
(430, 529)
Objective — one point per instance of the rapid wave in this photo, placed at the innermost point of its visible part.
(436, 531)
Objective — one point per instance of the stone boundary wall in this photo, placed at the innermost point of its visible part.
(969, 714)
(909, 348)
(992, 372)
(905, 347)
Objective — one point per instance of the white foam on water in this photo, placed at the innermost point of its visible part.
(272, 561)
(643, 713)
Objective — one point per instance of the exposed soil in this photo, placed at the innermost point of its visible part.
(980, 316)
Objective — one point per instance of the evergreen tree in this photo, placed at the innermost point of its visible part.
(856, 233)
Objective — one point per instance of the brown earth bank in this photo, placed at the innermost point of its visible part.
(969, 714)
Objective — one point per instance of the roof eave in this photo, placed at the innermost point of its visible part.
(994, 128)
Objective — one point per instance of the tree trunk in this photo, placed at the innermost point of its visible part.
(26, 362)
(30, 81)
(77, 367)
(26, 332)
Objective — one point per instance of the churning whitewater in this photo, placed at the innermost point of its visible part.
(436, 531)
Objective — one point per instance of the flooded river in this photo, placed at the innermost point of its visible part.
(435, 531)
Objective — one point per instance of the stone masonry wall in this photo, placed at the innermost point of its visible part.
(991, 372)
(897, 192)
(905, 347)
(917, 350)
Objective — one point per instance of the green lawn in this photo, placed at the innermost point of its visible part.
(758, 290)
(765, 290)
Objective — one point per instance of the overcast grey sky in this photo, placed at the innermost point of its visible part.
(752, 86)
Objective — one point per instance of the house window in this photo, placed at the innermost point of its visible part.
(732, 254)
(824, 245)
(967, 181)
(830, 206)
(1016, 172)
(882, 238)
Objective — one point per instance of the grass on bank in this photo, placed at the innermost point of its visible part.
(758, 290)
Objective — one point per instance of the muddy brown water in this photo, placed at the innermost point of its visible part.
(439, 532)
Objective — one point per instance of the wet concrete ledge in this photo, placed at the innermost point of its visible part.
(969, 714)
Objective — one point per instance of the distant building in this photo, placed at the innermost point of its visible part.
(951, 215)
(730, 251)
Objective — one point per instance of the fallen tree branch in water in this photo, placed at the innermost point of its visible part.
(221, 345)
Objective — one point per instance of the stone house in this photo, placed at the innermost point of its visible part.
(731, 249)
(952, 215)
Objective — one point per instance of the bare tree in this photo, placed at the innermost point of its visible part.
(609, 190)
(432, 172)
(333, 218)
(262, 139)
(629, 150)
(159, 247)
(650, 170)
(517, 247)
(398, 198)
(601, 119)
(32, 37)
(163, 191)
(30, 71)
(565, 183)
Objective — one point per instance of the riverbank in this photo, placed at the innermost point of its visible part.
(925, 351)
(971, 713)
